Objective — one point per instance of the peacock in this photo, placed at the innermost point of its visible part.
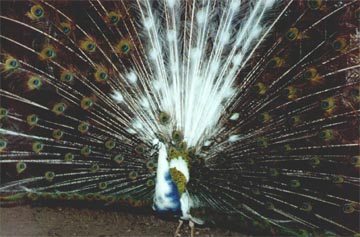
(240, 113)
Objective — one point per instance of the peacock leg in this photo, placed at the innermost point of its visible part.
(181, 222)
(192, 228)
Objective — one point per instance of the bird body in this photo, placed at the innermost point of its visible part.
(235, 113)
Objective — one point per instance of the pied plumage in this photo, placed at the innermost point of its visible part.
(236, 113)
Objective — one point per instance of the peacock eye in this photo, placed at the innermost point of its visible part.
(326, 134)
(50, 53)
(140, 149)
(338, 179)
(59, 108)
(34, 83)
(118, 159)
(57, 134)
(339, 44)
(94, 168)
(91, 46)
(324, 104)
(88, 45)
(133, 175)
(164, 118)
(177, 136)
(39, 12)
(110, 144)
(102, 185)
(292, 34)
(20, 167)
(36, 12)
(66, 30)
(49, 176)
(150, 183)
(3, 144)
(327, 104)
(125, 48)
(3, 113)
(314, 161)
(114, 19)
(83, 127)
(306, 206)
(86, 103)
(85, 151)
(295, 183)
(348, 208)
(103, 75)
(314, 4)
(14, 64)
(69, 157)
(150, 164)
(37, 147)
(32, 119)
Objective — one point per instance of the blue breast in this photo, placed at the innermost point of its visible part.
(173, 196)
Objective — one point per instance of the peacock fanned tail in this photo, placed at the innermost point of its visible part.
(255, 103)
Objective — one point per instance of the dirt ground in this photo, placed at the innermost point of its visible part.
(67, 221)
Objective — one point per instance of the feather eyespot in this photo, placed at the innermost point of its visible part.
(83, 127)
(69, 157)
(37, 147)
(34, 83)
(133, 175)
(86, 103)
(32, 120)
(49, 176)
(140, 149)
(88, 45)
(11, 64)
(20, 167)
(102, 185)
(164, 118)
(67, 76)
(124, 47)
(306, 207)
(57, 134)
(295, 183)
(85, 150)
(314, 4)
(348, 208)
(59, 108)
(65, 27)
(259, 88)
(327, 134)
(339, 44)
(118, 159)
(113, 17)
(292, 34)
(36, 12)
(328, 104)
(110, 144)
(177, 136)
(3, 145)
(101, 74)
(47, 53)
(276, 62)
(265, 117)
(314, 161)
(3, 113)
(150, 183)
